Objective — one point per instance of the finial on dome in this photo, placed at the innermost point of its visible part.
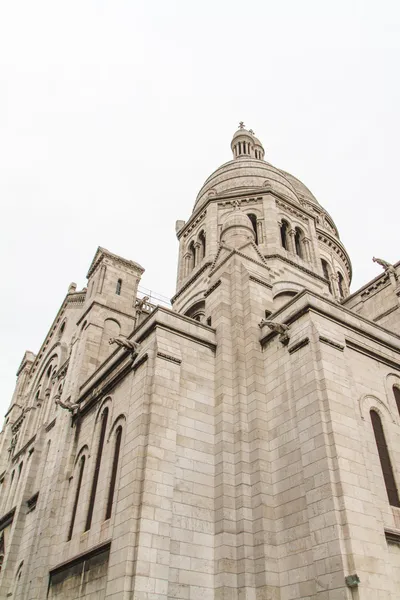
(245, 144)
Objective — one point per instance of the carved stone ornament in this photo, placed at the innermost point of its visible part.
(123, 342)
(385, 265)
(280, 328)
(73, 408)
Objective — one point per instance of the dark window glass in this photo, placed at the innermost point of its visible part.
(325, 269)
(340, 285)
(118, 288)
(97, 468)
(297, 243)
(396, 392)
(77, 492)
(385, 459)
(113, 480)
(253, 220)
(284, 230)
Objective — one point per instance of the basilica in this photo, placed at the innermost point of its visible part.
(242, 443)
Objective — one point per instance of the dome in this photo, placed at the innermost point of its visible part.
(248, 173)
(237, 228)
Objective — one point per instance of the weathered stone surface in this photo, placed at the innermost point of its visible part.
(234, 428)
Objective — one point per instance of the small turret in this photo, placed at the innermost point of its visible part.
(245, 144)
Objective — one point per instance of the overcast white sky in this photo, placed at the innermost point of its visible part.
(112, 114)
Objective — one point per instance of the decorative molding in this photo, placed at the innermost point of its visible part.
(102, 253)
(188, 228)
(212, 288)
(242, 201)
(372, 354)
(260, 282)
(28, 443)
(386, 313)
(290, 209)
(79, 558)
(190, 281)
(141, 361)
(335, 245)
(51, 425)
(333, 343)
(168, 357)
(295, 264)
(300, 344)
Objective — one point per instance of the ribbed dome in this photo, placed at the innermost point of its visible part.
(249, 175)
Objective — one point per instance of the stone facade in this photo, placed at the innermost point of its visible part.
(224, 448)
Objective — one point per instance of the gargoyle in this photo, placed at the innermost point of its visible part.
(123, 342)
(385, 265)
(280, 328)
(73, 408)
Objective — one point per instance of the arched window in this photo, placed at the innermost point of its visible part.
(118, 288)
(202, 240)
(117, 447)
(396, 393)
(253, 220)
(284, 234)
(326, 271)
(77, 492)
(384, 457)
(96, 473)
(298, 242)
(61, 330)
(340, 285)
(197, 311)
(192, 258)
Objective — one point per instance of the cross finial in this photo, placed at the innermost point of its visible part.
(241, 125)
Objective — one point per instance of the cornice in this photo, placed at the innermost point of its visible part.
(23, 449)
(191, 280)
(295, 264)
(111, 308)
(188, 227)
(337, 246)
(212, 288)
(332, 313)
(102, 253)
(386, 313)
(371, 284)
(78, 558)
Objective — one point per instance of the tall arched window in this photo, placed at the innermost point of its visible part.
(202, 240)
(192, 259)
(284, 234)
(384, 457)
(298, 242)
(340, 285)
(326, 271)
(77, 492)
(117, 447)
(396, 393)
(253, 220)
(118, 288)
(96, 473)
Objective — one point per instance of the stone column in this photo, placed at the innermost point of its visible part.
(290, 239)
(307, 249)
(260, 230)
(197, 253)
